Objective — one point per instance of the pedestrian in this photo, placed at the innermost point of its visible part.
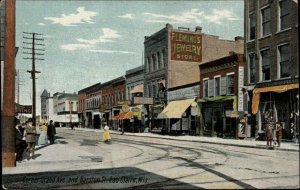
(43, 139)
(51, 131)
(279, 133)
(106, 136)
(19, 141)
(30, 133)
(269, 134)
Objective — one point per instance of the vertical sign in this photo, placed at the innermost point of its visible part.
(186, 46)
(240, 85)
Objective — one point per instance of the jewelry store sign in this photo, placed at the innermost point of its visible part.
(186, 46)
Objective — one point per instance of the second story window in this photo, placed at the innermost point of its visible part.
(159, 60)
(283, 14)
(149, 64)
(252, 26)
(230, 84)
(154, 62)
(265, 21)
(265, 65)
(205, 87)
(217, 86)
(251, 65)
(284, 61)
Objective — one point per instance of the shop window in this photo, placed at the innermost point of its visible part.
(283, 14)
(230, 84)
(265, 65)
(266, 21)
(284, 61)
(252, 27)
(251, 65)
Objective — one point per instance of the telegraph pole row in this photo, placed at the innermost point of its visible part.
(36, 48)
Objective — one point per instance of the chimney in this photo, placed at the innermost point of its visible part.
(169, 26)
(198, 29)
(232, 53)
(238, 38)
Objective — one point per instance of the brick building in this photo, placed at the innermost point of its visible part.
(113, 98)
(172, 57)
(90, 99)
(221, 96)
(272, 62)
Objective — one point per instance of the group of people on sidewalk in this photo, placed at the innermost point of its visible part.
(26, 137)
(269, 131)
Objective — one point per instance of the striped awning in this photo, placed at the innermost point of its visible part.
(124, 115)
(137, 89)
(175, 109)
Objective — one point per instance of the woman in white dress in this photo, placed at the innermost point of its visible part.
(43, 139)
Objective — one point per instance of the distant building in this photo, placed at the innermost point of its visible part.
(272, 64)
(44, 97)
(135, 89)
(49, 109)
(65, 107)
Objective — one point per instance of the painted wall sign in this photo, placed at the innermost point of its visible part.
(189, 92)
(186, 46)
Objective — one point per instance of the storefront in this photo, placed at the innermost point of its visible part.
(219, 116)
(180, 117)
(280, 104)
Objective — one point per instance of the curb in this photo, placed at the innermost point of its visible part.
(201, 141)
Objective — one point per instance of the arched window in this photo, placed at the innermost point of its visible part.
(149, 64)
(159, 60)
(154, 62)
(163, 58)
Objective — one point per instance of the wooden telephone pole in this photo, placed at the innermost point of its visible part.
(8, 112)
(33, 55)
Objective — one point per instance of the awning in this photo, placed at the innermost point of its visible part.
(137, 88)
(220, 99)
(124, 115)
(278, 89)
(175, 109)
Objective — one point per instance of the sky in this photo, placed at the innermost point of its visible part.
(92, 41)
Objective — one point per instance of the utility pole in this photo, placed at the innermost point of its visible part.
(19, 83)
(35, 51)
(70, 109)
(8, 117)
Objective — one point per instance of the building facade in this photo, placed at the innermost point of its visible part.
(135, 89)
(172, 57)
(65, 107)
(272, 62)
(92, 100)
(221, 96)
(113, 98)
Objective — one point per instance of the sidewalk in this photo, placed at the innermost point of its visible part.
(250, 143)
(68, 157)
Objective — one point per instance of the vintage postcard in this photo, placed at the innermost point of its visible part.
(176, 94)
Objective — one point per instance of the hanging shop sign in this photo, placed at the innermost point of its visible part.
(186, 46)
(143, 100)
(102, 108)
(26, 109)
(125, 108)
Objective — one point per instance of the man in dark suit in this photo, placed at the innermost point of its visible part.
(51, 131)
